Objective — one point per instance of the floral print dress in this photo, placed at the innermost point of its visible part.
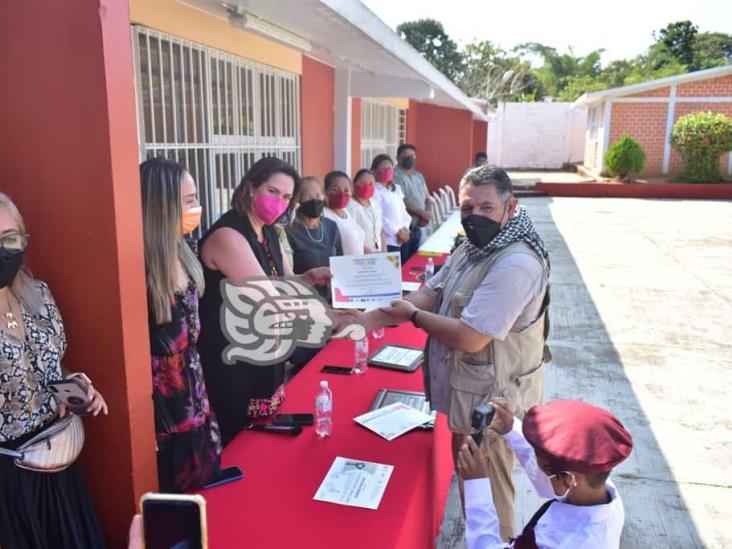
(188, 437)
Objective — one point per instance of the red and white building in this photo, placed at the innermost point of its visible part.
(647, 113)
(91, 87)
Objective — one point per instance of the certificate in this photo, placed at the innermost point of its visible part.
(355, 483)
(393, 420)
(365, 281)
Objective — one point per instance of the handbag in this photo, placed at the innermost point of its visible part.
(53, 449)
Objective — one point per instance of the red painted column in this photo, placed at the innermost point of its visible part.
(68, 130)
(480, 137)
(317, 89)
(355, 135)
(444, 140)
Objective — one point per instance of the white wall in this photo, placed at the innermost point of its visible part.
(536, 135)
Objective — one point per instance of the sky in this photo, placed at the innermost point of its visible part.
(622, 27)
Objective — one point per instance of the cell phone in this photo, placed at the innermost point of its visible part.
(294, 419)
(337, 370)
(171, 521)
(480, 419)
(230, 474)
(71, 394)
(293, 430)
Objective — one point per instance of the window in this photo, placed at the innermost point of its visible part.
(213, 112)
(383, 128)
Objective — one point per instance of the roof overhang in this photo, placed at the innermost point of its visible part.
(591, 99)
(347, 35)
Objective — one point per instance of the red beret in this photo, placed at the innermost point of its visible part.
(576, 436)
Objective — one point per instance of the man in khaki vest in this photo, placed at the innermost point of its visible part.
(484, 313)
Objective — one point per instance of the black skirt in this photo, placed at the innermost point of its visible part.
(46, 510)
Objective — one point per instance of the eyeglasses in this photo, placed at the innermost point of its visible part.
(14, 242)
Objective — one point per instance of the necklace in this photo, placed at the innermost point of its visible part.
(372, 217)
(320, 238)
(9, 316)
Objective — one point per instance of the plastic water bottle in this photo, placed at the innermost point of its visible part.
(429, 269)
(324, 411)
(361, 358)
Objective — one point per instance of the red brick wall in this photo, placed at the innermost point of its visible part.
(676, 165)
(711, 87)
(659, 92)
(316, 98)
(646, 123)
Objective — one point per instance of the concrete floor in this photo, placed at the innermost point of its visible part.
(641, 325)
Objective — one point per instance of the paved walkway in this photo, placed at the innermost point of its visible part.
(642, 325)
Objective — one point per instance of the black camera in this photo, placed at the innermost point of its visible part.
(480, 419)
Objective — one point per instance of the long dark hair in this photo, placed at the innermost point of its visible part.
(160, 181)
(258, 174)
(360, 173)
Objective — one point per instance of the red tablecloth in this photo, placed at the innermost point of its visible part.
(273, 505)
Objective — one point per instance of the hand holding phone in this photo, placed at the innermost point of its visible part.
(174, 520)
(71, 394)
(480, 419)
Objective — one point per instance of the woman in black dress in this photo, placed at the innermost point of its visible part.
(244, 244)
(186, 432)
(37, 509)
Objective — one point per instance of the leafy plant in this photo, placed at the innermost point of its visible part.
(701, 138)
(625, 156)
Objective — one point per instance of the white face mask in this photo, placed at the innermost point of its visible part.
(564, 496)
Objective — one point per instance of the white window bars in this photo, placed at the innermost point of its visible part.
(383, 128)
(213, 112)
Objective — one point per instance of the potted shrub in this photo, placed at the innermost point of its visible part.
(624, 157)
(702, 138)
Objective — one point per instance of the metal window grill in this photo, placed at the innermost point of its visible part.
(383, 127)
(213, 112)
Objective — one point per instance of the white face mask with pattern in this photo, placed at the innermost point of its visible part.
(564, 496)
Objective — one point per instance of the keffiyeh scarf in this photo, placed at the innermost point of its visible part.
(520, 228)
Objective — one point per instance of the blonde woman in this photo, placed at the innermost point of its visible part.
(37, 509)
(188, 438)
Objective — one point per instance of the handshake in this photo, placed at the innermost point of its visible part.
(400, 311)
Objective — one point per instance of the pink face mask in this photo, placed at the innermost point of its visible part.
(268, 207)
(384, 175)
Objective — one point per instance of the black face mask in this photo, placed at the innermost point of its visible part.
(311, 208)
(407, 162)
(480, 230)
(10, 262)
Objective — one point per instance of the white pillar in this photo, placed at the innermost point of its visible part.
(670, 113)
(342, 120)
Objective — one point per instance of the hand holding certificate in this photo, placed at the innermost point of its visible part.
(366, 281)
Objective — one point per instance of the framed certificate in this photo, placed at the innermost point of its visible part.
(385, 397)
(397, 357)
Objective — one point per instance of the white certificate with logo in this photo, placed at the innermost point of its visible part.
(366, 281)
(355, 483)
(393, 420)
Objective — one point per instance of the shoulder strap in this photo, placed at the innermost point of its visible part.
(527, 539)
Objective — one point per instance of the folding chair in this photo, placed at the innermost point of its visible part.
(434, 216)
(441, 214)
(451, 195)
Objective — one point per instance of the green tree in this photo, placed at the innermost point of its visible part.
(712, 49)
(429, 38)
(679, 38)
(496, 75)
